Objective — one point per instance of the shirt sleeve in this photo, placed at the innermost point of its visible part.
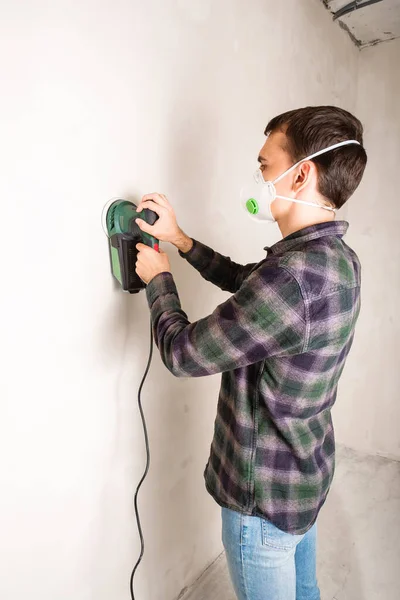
(266, 317)
(216, 268)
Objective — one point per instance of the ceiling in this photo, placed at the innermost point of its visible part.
(368, 22)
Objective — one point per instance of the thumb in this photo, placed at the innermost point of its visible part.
(143, 225)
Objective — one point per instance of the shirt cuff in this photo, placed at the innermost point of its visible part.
(194, 252)
(199, 255)
(161, 284)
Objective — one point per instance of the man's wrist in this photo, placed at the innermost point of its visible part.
(183, 242)
(158, 273)
(160, 286)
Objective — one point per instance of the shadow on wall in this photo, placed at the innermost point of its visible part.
(179, 413)
(173, 502)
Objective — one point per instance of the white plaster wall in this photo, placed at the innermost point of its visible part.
(104, 98)
(367, 414)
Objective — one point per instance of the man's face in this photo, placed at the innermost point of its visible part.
(275, 160)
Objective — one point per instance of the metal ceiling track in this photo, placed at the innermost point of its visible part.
(356, 5)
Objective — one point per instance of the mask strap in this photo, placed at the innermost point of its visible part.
(346, 143)
(308, 203)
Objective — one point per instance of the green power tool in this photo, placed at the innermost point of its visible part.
(119, 223)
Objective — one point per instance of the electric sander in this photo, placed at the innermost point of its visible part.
(119, 223)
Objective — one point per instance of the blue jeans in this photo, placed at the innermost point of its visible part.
(266, 563)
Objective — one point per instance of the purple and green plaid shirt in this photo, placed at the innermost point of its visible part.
(281, 342)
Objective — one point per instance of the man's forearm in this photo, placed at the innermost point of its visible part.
(212, 266)
(183, 242)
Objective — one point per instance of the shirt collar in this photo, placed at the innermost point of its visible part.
(336, 228)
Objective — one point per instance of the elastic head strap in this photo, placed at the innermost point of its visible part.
(346, 143)
(307, 203)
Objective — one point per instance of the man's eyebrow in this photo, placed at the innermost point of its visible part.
(261, 159)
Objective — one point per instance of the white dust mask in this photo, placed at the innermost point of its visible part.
(257, 197)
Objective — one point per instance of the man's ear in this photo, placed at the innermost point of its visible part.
(306, 172)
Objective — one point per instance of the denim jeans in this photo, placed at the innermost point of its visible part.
(266, 563)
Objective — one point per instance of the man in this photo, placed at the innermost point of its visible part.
(280, 342)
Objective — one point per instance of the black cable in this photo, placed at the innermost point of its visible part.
(146, 437)
(355, 5)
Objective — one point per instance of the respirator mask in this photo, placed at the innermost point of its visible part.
(257, 197)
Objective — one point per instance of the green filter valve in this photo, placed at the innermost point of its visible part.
(252, 206)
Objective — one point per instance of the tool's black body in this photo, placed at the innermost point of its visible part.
(124, 233)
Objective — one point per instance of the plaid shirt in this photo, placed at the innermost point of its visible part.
(280, 342)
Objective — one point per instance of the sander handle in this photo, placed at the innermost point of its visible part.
(150, 217)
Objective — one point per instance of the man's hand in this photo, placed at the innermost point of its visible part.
(166, 228)
(150, 262)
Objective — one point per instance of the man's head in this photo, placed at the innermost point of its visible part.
(330, 178)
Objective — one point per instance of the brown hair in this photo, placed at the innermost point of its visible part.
(313, 128)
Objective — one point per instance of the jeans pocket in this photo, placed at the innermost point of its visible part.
(276, 538)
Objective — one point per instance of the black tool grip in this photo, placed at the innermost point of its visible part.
(150, 216)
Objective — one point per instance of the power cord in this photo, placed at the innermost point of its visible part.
(146, 438)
